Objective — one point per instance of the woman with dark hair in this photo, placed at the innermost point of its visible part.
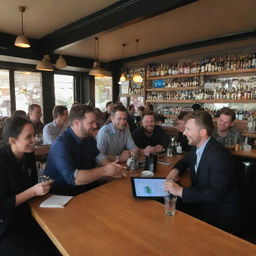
(19, 233)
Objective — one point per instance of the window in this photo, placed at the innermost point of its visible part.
(28, 89)
(103, 91)
(5, 99)
(64, 90)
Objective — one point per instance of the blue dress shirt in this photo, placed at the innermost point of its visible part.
(199, 153)
(112, 141)
(69, 153)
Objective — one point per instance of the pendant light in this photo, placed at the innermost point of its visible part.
(123, 77)
(61, 63)
(21, 40)
(96, 70)
(45, 64)
(137, 78)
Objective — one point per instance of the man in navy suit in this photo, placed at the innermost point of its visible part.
(212, 196)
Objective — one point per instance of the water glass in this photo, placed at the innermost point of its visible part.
(170, 204)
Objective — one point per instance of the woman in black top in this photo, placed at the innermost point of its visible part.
(19, 233)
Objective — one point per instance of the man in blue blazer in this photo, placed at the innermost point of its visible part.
(212, 196)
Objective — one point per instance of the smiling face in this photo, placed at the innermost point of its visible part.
(87, 125)
(193, 133)
(148, 123)
(24, 143)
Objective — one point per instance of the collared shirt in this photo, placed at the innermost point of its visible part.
(199, 153)
(68, 153)
(51, 131)
(158, 137)
(233, 137)
(112, 141)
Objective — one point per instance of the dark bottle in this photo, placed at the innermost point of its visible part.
(151, 162)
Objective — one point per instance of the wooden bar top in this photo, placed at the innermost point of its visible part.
(241, 153)
(109, 221)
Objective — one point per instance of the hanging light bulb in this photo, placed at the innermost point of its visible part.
(137, 78)
(21, 40)
(123, 77)
(96, 70)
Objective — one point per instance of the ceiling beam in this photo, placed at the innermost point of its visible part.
(118, 14)
(189, 46)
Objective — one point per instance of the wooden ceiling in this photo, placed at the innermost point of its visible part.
(69, 26)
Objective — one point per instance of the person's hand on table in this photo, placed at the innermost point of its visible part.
(173, 188)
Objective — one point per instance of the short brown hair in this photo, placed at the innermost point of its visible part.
(149, 113)
(78, 111)
(118, 108)
(58, 110)
(203, 119)
(32, 107)
(228, 112)
(182, 115)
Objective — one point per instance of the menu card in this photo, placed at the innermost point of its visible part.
(55, 201)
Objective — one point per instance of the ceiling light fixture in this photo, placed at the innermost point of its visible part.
(61, 62)
(123, 77)
(137, 78)
(96, 70)
(45, 64)
(21, 40)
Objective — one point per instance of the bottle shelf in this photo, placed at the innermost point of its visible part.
(203, 101)
(173, 76)
(175, 89)
(131, 95)
(214, 73)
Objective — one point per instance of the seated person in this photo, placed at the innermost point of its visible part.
(213, 196)
(35, 114)
(71, 162)
(19, 113)
(132, 120)
(150, 138)
(19, 233)
(106, 114)
(225, 132)
(52, 130)
(180, 125)
(114, 140)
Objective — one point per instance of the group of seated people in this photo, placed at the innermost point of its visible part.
(81, 159)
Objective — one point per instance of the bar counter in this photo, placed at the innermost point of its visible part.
(109, 221)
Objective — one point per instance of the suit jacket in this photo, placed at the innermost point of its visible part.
(15, 177)
(213, 190)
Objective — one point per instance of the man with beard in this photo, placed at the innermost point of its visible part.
(150, 138)
(72, 162)
(212, 197)
(114, 140)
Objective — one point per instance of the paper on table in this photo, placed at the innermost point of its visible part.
(56, 201)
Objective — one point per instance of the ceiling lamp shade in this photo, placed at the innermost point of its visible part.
(21, 40)
(45, 64)
(61, 62)
(97, 70)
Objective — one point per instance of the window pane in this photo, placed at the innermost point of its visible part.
(64, 90)
(28, 89)
(103, 91)
(5, 99)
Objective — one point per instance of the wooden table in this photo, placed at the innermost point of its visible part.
(241, 153)
(109, 221)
